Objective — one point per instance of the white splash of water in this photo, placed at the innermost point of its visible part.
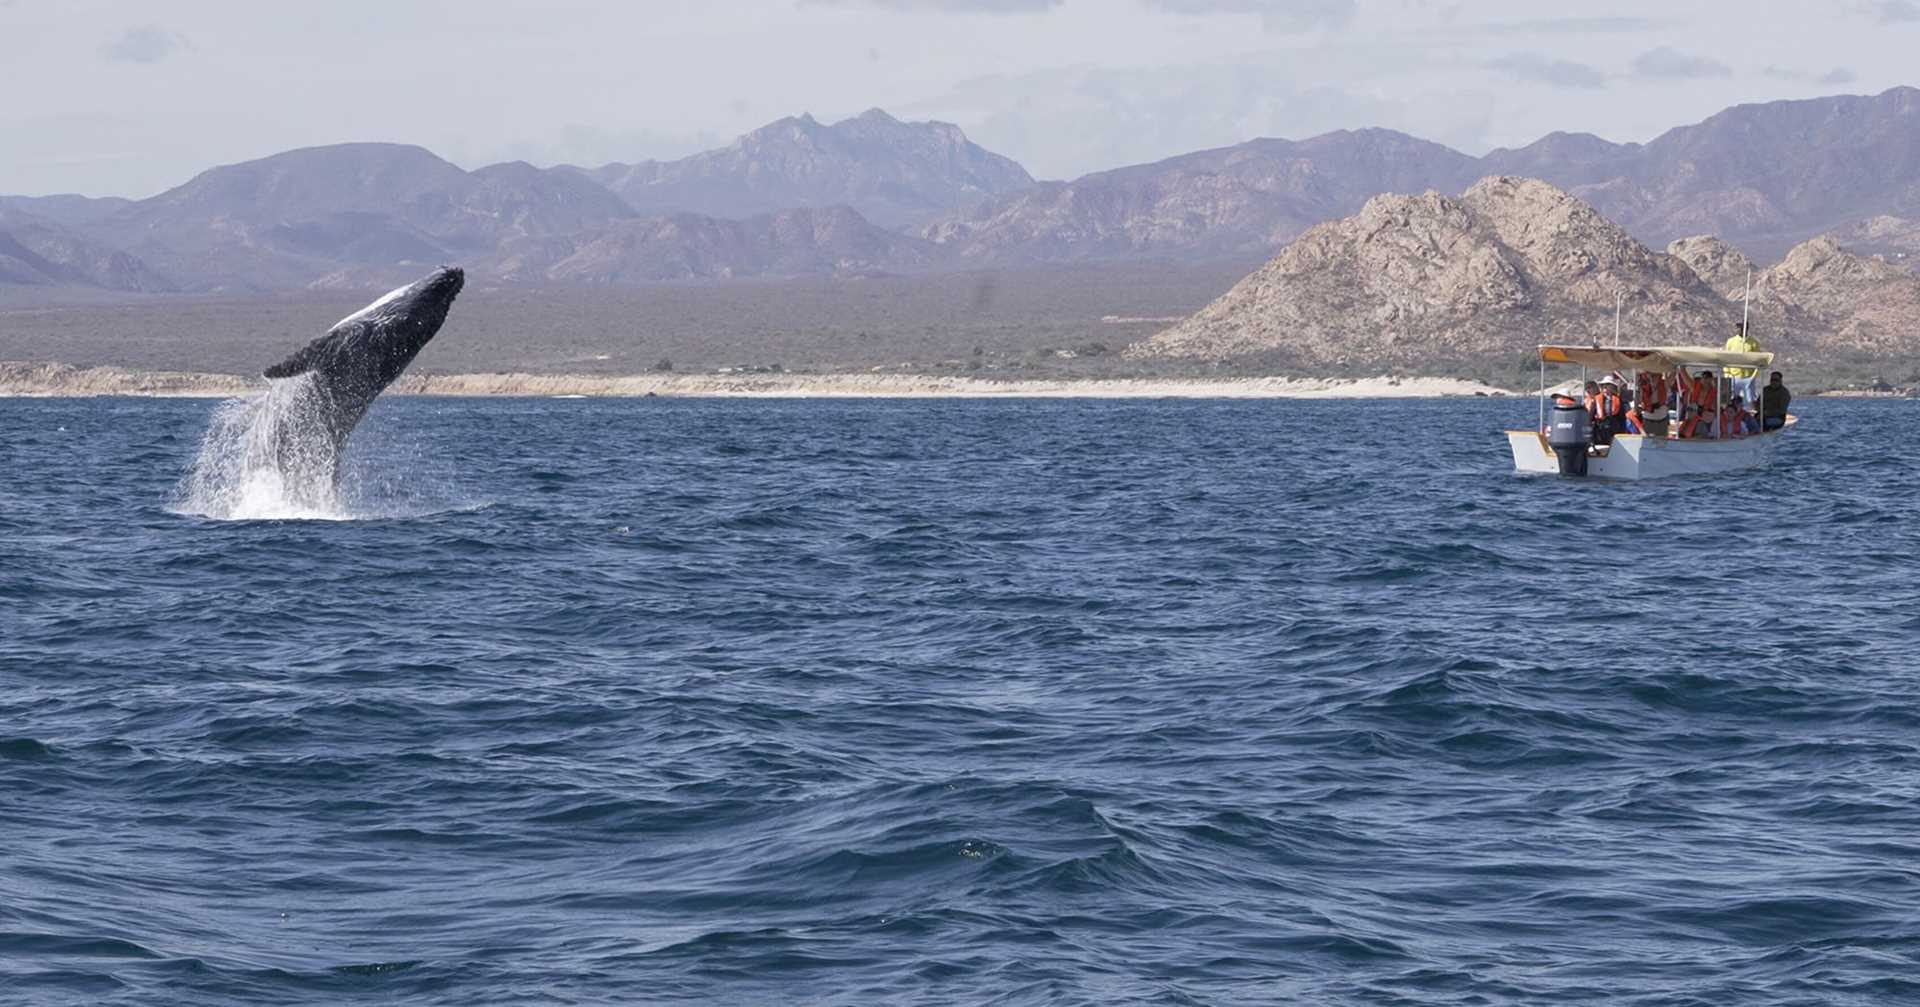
(272, 457)
(266, 457)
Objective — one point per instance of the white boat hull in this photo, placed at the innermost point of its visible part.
(1634, 456)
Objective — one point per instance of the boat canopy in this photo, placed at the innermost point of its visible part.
(1651, 358)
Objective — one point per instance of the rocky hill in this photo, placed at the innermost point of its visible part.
(1832, 302)
(1422, 282)
(1725, 268)
(893, 173)
(1822, 300)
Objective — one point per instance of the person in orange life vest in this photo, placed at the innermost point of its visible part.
(1706, 395)
(1649, 417)
(1730, 418)
(1691, 421)
(1649, 398)
(1609, 412)
(1735, 421)
(1586, 399)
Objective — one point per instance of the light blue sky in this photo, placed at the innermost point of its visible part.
(109, 97)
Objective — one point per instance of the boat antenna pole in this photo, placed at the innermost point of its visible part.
(1746, 302)
(1617, 295)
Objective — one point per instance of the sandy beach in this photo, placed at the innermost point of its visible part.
(62, 380)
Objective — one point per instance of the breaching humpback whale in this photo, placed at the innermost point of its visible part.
(361, 355)
(282, 450)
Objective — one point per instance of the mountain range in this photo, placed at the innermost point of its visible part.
(873, 194)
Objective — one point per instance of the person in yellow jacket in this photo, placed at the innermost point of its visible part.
(1745, 380)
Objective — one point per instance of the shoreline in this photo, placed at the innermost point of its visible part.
(49, 380)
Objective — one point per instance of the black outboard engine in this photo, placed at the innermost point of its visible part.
(1569, 430)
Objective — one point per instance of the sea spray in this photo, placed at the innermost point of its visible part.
(276, 456)
(267, 456)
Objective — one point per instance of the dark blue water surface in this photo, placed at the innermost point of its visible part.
(1013, 702)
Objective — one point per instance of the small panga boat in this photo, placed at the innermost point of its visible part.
(1551, 449)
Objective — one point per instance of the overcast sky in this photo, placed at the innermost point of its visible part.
(107, 97)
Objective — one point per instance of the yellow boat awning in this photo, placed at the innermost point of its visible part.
(1651, 358)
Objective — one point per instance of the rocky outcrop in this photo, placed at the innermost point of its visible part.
(1724, 268)
(1423, 281)
(1826, 299)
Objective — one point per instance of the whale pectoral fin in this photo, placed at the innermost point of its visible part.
(299, 363)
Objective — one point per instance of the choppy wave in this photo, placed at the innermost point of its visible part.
(956, 702)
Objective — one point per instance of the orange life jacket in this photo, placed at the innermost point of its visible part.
(1605, 406)
(1706, 394)
(1730, 423)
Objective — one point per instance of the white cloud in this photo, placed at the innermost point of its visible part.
(1066, 122)
(144, 44)
(1836, 76)
(1891, 11)
(1276, 15)
(1666, 63)
(1541, 69)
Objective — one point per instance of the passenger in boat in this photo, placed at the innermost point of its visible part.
(1591, 392)
(1652, 420)
(1690, 425)
(1733, 418)
(1609, 412)
(1706, 396)
(1774, 400)
(1650, 388)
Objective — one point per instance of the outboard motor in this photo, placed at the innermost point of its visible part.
(1569, 430)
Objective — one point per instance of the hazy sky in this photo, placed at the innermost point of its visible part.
(118, 98)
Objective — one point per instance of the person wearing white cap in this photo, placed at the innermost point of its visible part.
(1609, 411)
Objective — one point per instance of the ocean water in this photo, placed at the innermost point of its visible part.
(1012, 702)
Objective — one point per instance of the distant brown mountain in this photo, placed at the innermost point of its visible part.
(687, 246)
(1233, 201)
(1763, 177)
(1766, 176)
(359, 214)
(36, 251)
(893, 173)
(1430, 281)
(284, 220)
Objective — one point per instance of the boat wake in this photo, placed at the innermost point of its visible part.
(272, 457)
